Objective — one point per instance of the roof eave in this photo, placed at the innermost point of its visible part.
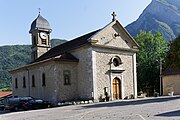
(30, 65)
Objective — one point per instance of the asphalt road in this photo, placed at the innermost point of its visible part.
(163, 108)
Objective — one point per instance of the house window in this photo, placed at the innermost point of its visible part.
(33, 81)
(16, 83)
(24, 82)
(67, 77)
(43, 80)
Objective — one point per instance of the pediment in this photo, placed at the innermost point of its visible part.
(114, 35)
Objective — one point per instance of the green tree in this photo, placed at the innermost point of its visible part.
(174, 54)
(152, 49)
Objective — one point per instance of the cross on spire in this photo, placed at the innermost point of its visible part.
(39, 10)
(114, 16)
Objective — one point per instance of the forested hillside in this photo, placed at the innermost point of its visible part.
(12, 57)
(15, 56)
(55, 42)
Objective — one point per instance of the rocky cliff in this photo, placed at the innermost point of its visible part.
(161, 15)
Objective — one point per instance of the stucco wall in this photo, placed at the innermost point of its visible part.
(171, 83)
(38, 91)
(20, 91)
(84, 71)
(55, 90)
(67, 92)
(107, 38)
(104, 77)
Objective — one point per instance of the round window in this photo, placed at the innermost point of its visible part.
(116, 62)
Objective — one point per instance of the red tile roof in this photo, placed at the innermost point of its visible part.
(4, 94)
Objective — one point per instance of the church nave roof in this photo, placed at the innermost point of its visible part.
(63, 48)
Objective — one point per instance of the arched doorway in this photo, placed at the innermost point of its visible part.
(116, 88)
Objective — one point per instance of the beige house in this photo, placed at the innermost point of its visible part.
(171, 82)
(90, 67)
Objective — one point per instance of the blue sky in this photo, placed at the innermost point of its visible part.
(68, 18)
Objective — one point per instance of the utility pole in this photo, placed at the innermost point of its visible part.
(160, 78)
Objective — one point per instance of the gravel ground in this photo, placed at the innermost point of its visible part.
(161, 108)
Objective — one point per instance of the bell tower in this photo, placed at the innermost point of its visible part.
(40, 35)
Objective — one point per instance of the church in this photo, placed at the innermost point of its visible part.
(96, 65)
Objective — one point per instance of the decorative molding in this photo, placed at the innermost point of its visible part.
(116, 48)
(92, 41)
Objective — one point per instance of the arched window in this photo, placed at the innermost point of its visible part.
(33, 81)
(16, 83)
(24, 82)
(67, 77)
(43, 79)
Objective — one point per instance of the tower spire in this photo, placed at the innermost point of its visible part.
(40, 36)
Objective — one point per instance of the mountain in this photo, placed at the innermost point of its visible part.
(56, 42)
(15, 56)
(161, 15)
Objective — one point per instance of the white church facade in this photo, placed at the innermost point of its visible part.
(91, 67)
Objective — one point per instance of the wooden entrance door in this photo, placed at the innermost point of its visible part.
(116, 89)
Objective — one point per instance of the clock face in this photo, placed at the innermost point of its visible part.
(43, 35)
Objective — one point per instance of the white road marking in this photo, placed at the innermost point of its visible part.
(141, 117)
